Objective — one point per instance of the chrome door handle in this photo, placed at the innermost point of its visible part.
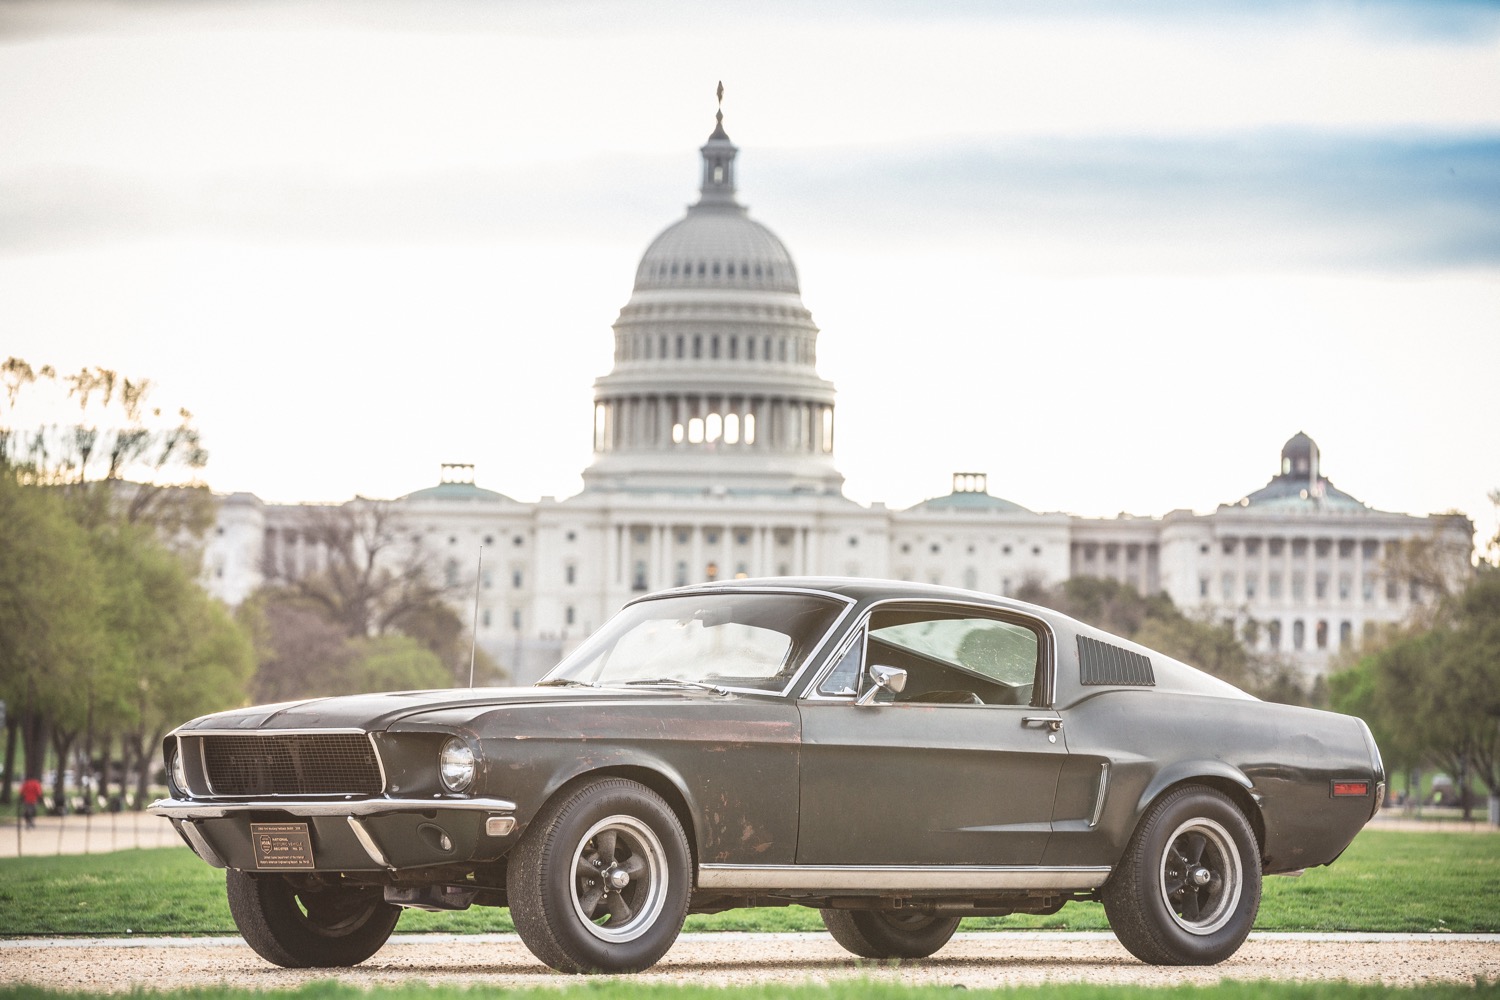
(1052, 723)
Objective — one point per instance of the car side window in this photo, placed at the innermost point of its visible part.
(843, 679)
(956, 656)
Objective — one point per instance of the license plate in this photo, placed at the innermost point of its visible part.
(281, 846)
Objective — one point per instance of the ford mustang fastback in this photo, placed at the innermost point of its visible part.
(895, 755)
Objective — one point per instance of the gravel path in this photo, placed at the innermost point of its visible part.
(970, 960)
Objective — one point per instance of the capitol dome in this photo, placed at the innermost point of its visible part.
(717, 249)
(715, 385)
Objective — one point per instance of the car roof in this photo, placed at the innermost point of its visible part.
(864, 590)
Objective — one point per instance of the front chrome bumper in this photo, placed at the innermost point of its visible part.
(192, 809)
(189, 817)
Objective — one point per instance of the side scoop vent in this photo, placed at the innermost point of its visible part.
(1103, 663)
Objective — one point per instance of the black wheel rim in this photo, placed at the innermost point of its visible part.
(619, 879)
(1201, 877)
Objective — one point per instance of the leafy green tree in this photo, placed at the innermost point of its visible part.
(105, 634)
(51, 632)
(1432, 694)
(177, 652)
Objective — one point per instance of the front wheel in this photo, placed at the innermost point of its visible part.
(328, 925)
(884, 934)
(1188, 888)
(601, 880)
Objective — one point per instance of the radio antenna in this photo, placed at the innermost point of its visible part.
(474, 632)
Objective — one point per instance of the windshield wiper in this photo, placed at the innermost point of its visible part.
(565, 682)
(676, 682)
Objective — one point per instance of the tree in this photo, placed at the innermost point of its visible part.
(104, 632)
(372, 578)
(1432, 694)
(302, 654)
(177, 652)
(121, 458)
(51, 629)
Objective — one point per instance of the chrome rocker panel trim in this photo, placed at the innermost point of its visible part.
(897, 877)
(190, 809)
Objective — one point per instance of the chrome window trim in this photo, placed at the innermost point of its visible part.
(1044, 689)
(916, 878)
(834, 628)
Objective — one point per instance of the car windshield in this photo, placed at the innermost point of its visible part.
(753, 641)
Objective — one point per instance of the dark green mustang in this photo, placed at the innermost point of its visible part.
(898, 756)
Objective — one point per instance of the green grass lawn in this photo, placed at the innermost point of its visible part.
(1386, 881)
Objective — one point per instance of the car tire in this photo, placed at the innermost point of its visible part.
(627, 917)
(888, 934)
(332, 926)
(1188, 888)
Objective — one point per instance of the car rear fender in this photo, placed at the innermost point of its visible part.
(1215, 774)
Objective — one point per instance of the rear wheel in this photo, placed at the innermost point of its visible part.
(600, 882)
(887, 934)
(1188, 888)
(327, 925)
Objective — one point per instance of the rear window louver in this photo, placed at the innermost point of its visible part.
(1103, 663)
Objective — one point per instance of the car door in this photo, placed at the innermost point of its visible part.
(959, 768)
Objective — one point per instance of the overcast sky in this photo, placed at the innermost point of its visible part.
(1113, 255)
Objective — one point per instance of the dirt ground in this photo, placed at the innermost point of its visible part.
(969, 961)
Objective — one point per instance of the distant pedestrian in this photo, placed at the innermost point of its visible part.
(31, 794)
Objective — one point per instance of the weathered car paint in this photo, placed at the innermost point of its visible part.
(905, 784)
(925, 784)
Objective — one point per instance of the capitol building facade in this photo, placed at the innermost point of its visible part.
(713, 458)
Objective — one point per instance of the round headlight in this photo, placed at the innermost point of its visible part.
(456, 765)
(178, 773)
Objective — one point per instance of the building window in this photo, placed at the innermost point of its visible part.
(1322, 635)
(515, 579)
(1299, 586)
(1273, 631)
(638, 578)
(450, 573)
(1346, 586)
(1273, 586)
(1320, 588)
(681, 578)
(572, 616)
(1203, 586)
(1299, 634)
(1274, 546)
(515, 620)
(1367, 588)
(484, 618)
(1346, 634)
(570, 574)
(1228, 586)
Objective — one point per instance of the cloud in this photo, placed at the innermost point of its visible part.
(1265, 200)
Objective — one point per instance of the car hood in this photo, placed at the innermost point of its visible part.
(380, 711)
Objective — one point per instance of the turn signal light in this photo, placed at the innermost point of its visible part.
(1355, 788)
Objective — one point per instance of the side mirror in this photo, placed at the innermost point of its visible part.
(892, 679)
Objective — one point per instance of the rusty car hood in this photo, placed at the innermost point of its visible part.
(379, 711)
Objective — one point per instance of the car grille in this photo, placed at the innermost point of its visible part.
(292, 764)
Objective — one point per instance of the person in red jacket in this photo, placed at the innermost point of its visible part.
(31, 794)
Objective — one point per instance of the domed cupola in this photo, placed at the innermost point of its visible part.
(1299, 457)
(715, 384)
